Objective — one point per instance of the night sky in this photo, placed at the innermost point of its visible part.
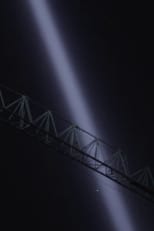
(111, 47)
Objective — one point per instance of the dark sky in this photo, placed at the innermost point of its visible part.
(111, 44)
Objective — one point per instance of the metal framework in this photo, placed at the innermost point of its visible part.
(68, 139)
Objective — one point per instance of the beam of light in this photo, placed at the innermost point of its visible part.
(67, 79)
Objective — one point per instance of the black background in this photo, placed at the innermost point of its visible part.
(111, 44)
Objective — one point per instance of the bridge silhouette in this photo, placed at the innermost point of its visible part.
(21, 112)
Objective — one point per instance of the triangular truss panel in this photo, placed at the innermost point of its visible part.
(71, 135)
(46, 125)
(20, 113)
(96, 150)
(119, 162)
(144, 176)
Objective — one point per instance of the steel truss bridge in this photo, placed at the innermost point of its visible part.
(22, 113)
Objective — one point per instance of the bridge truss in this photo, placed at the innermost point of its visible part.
(24, 114)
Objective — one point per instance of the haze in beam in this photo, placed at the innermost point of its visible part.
(57, 54)
(67, 79)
